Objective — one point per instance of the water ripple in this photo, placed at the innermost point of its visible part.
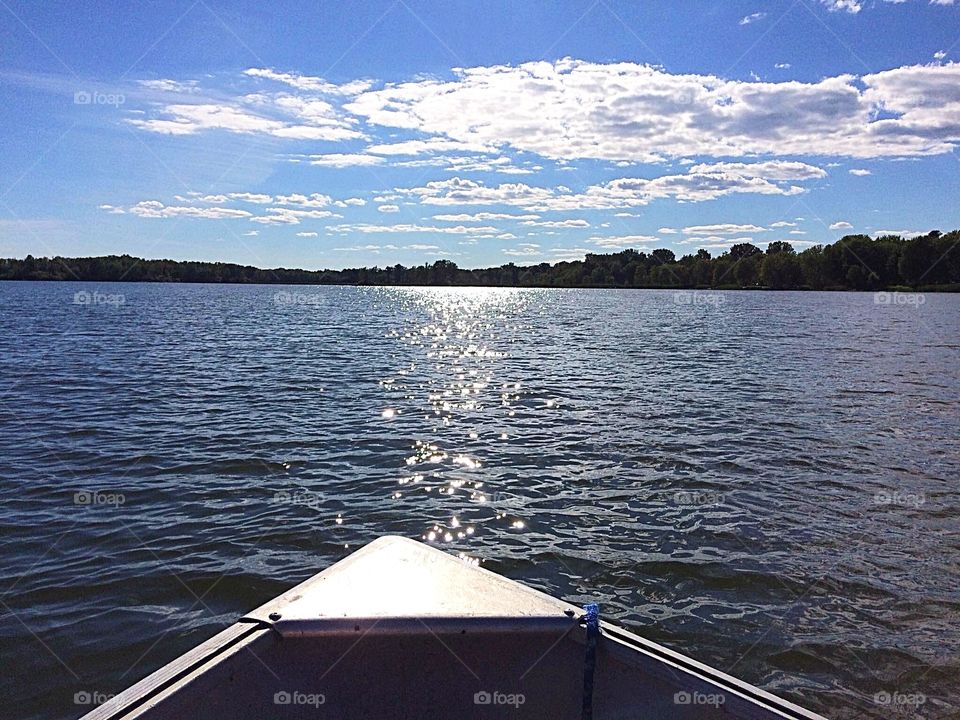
(768, 485)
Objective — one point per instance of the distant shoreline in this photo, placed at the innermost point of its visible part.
(943, 289)
(926, 263)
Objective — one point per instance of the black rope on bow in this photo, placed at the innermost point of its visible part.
(591, 620)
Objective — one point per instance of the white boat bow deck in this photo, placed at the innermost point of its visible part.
(402, 630)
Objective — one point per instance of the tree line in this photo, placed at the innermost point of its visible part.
(855, 262)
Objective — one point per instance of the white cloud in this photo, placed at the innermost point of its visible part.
(782, 224)
(251, 233)
(341, 160)
(282, 210)
(860, 172)
(901, 233)
(186, 119)
(752, 18)
(627, 192)
(483, 216)
(420, 247)
(925, 99)
(667, 231)
(112, 209)
(623, 241)
(841, 225)
(701, 182)
(769, 170)
(367, 248)
(715, 241)
(197, 197)
(170, 86)
(782, 66)
(502, 165)
(458, 191)
(572, 223)
(256, 198)
(412, 228)
(721, 229)
(523, 250)
(312, 200)
(625, 111)
(568, 254)
(307, 234)
(311, 110)
(388, 208)
(621, 112)
(430, 145)
(156, 209)
(851, 6)
(308, 82)
(456, 163)
(290, 216)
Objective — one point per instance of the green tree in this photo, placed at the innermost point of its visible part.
(744, 250)
(813, 266)
(916, 259)
(781, 271)
(747, 270)
(779, 246)
(663, 256)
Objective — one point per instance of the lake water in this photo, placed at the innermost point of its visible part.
(765, 481)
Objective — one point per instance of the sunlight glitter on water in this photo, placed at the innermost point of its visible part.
(464, 336)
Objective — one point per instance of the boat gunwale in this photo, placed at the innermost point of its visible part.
(253, 627)
(633, 643)
(155, 685)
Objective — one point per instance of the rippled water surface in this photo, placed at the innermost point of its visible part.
(765, 481)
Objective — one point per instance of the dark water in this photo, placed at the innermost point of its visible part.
(767, 482)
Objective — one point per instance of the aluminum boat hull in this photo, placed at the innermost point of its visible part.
(401, 630)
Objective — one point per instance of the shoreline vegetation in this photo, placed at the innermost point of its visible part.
(928, 262)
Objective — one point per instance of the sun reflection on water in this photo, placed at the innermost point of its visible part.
(457, 402)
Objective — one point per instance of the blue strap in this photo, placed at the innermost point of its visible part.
(591, 619)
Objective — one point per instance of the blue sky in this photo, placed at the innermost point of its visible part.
(373, 133)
